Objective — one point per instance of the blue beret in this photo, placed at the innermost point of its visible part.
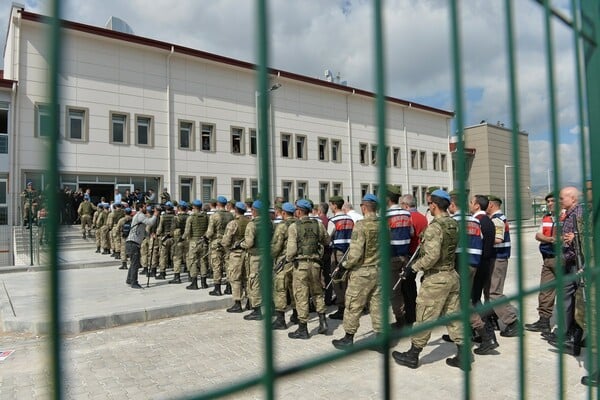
(305, 204)
(288, 207)
(106, 206)
(257, 204)
(370, 197)
(168, 204)
(127, 210)
(183, 203)
(240, 205)
(222, 199)
(197, 203)
(441, 193)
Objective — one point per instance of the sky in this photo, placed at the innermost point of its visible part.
(309, 36)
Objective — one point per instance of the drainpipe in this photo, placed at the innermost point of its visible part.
(15, 173)
(171, 136)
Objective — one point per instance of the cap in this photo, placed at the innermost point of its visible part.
(212, 201)
(393, 189)
(454, 192)
(257, 204)
(370, 197)
(494, 198)
(168, 204)
(249, 200)
(288, 207)
(182, 203)
(197, 203)
(335, 199)
(304, 204)
(278, 206)
(222, 199)
(432, 189)
(441, 193)
(240, 205)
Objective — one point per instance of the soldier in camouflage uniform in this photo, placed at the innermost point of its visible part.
(100, 221)
(86, 210)
(180, 246)
(115, 239)
(440, 289)
(105, 231)
(165, 238)
(250, 244)
(232, 239)
(306, 240)
(282, 280)
(363, 280)
(122, 236)
(195, 229)
(216, 228)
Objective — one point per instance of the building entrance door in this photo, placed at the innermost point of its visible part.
(99, 190)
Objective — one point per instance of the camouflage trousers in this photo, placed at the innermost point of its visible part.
(439, 295)
(86, 223)
(149, 252)
(180, 250)
(217, 260)
(124, 257)
(254, 294)
(98, 237)
(236, 273)
(196, 255)
(306, 281)
(105, 237)
(164, 254)
(363, 289)
(282, 285)
(115, 239)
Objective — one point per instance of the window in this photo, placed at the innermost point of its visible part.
(254, 188)
(286, 143)
(375, 189)
(3, 128)
(323, 192)
(287, 190)
(207, 139)
(253, 142)
(374, 154)
(3, 203)
(436, 161)
(423, 159)
(414, 164)
(302, 188)
(186, 186)
(424, 195)
(396, 157)
(186, 135)
(143, 130)
(301, 147)
(364, 189)
(42, 120)
(443, 162)
(363, 153)
(415, 193)
(336, 148)
(238, 190)
(119, 130)
(76, 125)
(337, 189)
(237, 140)
(208, 189)
(323, 150)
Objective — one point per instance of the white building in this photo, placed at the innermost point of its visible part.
(141, 113)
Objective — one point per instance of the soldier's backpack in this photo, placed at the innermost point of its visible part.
(127, 228)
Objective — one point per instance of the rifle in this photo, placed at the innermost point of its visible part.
(150, 261)
(408, 264)
(579, 258)
(279, 266)
(337, 268)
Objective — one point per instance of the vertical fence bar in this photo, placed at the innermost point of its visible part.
(514, 113)
(55, 292)
(384, 235)
(264, 228)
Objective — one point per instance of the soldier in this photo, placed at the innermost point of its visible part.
(105, 231)
(339, 229)
(250, 244)
(282, 279)
(306, 240)
(29, 203)
(165, 197)
(141, 220)
(164, 232)
(153, 249)
(115, 237)
(100, 221)
(123, 227)
(216, 228)
(232, 239)
(249, 201)
(180, 246)
(85, 211)
(440, 289)
(362, 263)
(195, 229)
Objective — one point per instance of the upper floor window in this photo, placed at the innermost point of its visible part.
(323, 150)
(286, 145)
(423, 159)
(364, 157)
(207, 137)
(396, 157)
(414, 161)
(336, 151)
(119, 129)
(237, 140)
(186, 135)
(76, 124)
(3, 128)
(436, 161)
(42, 120)
(301, 147)
(443, 162)
(143, 130)
(374, 154)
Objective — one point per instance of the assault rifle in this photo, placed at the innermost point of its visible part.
(337, 268)
(579, 258)
(408, 264)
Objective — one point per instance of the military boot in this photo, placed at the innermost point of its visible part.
(152, 273)
(98, 249)
(193, 285)
(279, 322)
(216, 291)
(106, 251)
(409, 359)
(227, 288)
(511, 329)
(541, 325)
(300, 333)
(456, 361)
(323, 324)
(123, 265)
(117, 255)
(85, 237)
(255, 315)
(203, 284)
(143, 271)
(573, 344)
(592, 380)
(488, 342)
(294, 317)
(339, 314)
(161, 276)
(176, 278)
(346, 341)
(236, 307)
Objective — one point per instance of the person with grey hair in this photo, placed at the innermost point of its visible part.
(348, 209)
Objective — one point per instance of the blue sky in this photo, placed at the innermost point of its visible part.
(310, 36)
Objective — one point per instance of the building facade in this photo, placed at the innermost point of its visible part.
(139, 113)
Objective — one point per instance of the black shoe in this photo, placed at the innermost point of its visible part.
(203, 284)
(97, 249)
(128, 282)
(123, 266)
(227, 288)
(409, 359)
(106, 251)
(216, 291)
(176, 278)
(592, 380)
(117, 256)
(144, 271)
(339, 314)
(162, 276)
(294, 317)
(300, 333)
(255, 315)
(136, 285)
(541, 325)
(343, 343)
(279, 323)
(456, 361)
(323, 324)
(569, 347)
(511, 330)
(193, 285)
(236, 307)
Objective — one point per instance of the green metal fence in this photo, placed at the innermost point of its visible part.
(585, 28)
